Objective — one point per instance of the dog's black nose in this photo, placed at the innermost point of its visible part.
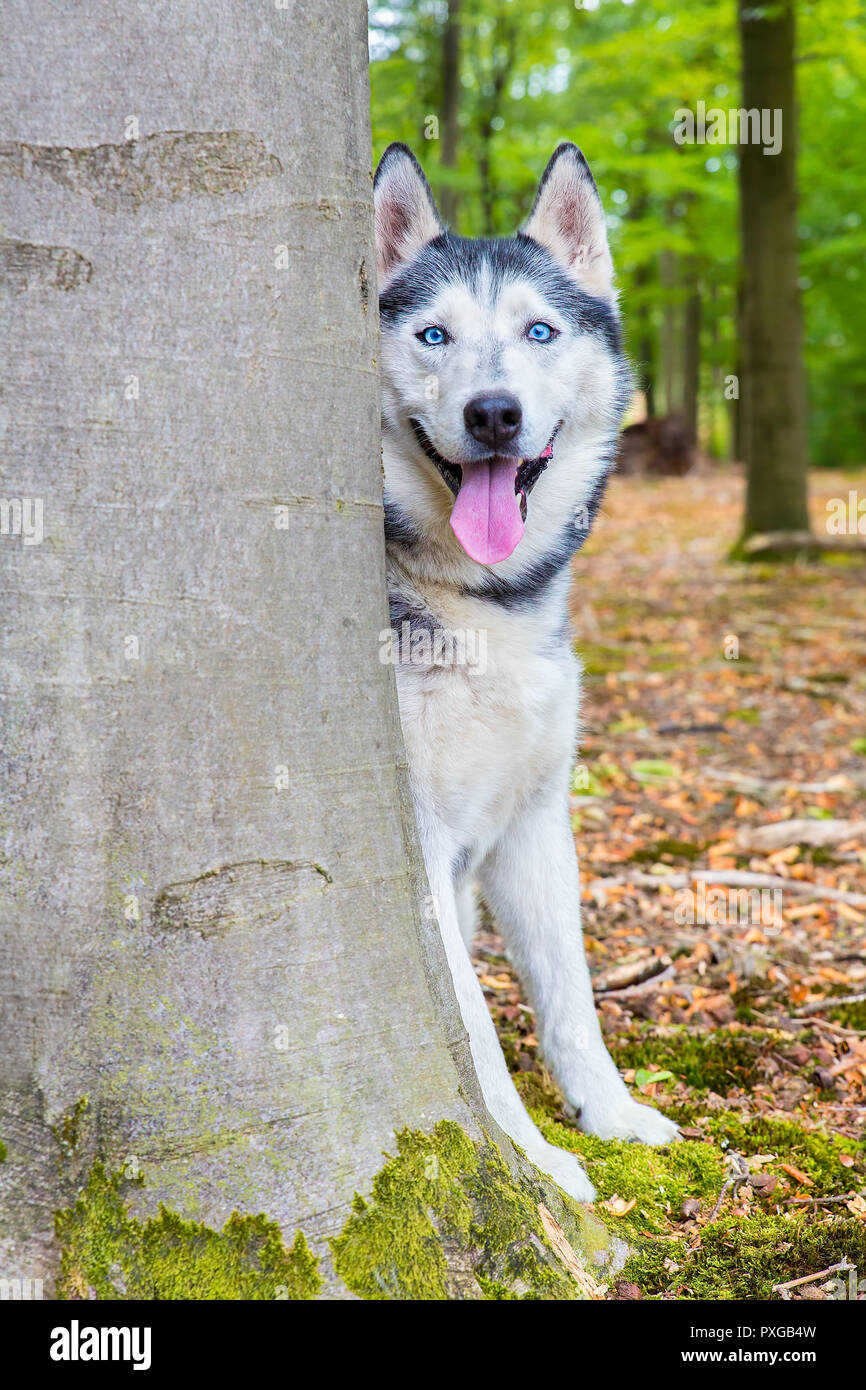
(493, 420)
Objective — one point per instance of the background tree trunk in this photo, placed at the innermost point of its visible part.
(692, 360)
(216, 973)
(450, 105)
(773, 388)
(669, 349)
(642, 318)
(503, 59)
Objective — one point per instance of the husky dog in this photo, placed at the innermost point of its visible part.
(503, 389)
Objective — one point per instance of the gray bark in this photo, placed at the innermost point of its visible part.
(197, 412)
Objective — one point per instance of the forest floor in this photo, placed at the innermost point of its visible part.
(724, 731)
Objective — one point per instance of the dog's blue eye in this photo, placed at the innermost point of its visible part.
(541, 332)
(432, 336)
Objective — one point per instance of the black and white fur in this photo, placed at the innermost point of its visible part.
(490, 750)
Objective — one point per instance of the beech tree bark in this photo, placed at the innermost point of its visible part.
(220, 975)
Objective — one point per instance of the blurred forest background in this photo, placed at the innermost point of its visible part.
(483, 90)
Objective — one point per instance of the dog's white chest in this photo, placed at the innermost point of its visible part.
(482, 741)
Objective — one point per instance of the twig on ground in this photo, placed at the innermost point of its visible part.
(734, 878)
(819, 834)
(641, 988)
(739, 1173)
(790, 542)
(836, 1029)
(817, 1201)
(565, 1252)
(671, 728)
(841, 783)
(841, 1268)
(832, 1002)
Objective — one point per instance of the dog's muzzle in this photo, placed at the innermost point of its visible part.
(527, 476)
(490, 495)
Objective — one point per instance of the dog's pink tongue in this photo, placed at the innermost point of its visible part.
(486, 516)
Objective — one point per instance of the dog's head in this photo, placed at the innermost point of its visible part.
(502, 368)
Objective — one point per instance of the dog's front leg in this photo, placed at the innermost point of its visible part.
(532, 885)
(498, 1089)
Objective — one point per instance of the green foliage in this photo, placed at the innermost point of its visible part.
(611, 76)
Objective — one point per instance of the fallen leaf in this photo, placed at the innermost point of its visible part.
(796, 1174)
(618, 1206)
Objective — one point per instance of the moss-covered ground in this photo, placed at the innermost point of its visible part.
(662, 1200)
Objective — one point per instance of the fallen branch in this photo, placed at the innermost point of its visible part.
(817, 1005)
(841, 1268)
(735, 878)
(643, 988)
(818, 834)
(713, 728)
(836, 1029)
(842, 782)
(785, 543)
(817, 1201)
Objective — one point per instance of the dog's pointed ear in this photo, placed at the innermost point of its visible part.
(568, 219)
(406, 216)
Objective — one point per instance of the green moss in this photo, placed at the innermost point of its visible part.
(745, 716)
(597, 659)
(540, 1092)
(849, 1015)
(707, 1061)
(813, 1152)
(743, 1257)
(737, 1257)
(667, 849)
(659, 1179)
(109, 1253)
(446, 1219)
(2, 1152)
(68, 1132)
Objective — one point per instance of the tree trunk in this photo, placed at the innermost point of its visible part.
(773, 395)
(718, 442)
(644, 338)
(222, 985)
(503, 59)
(668, 354)
(692, 361)
(450, 105)
(646, 370)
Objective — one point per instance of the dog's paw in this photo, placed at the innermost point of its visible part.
(564, 1168)
(628, 1119)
